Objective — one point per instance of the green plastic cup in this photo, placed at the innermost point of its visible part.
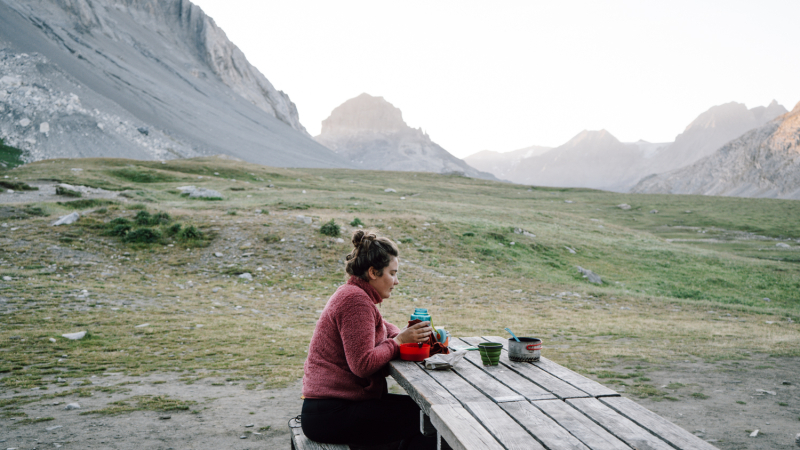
(490, 353)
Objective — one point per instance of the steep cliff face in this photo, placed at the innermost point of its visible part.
(159, 65)
(371, 133)
(764, 162)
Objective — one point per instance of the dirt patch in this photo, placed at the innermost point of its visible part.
(729, 407)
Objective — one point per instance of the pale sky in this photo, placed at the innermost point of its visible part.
(506, 75)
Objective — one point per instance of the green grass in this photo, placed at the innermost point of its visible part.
(10, 157)
(161, 403)
(457, 259)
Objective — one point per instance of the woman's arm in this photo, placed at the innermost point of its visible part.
(357, 329)
(391, 329)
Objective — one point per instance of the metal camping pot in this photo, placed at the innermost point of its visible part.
(527, 349)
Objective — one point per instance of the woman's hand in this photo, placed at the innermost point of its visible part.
(414, 334)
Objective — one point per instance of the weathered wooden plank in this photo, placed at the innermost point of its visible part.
(621, 427)
(484, 382)
(544, 429)
(587, 385)
(580, 426)
(502, 427)
(549, 383)
(426, 428)
(419, 385)
(656, 424)
(460, 388)
(461, 431)
(301, 442)
(513, 380)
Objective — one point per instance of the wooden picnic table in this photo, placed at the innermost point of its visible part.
(531, 405)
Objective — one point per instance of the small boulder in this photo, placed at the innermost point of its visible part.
(71, 406)
(389, 190)
(571, 250)
(75, 336)
(653, 211)
(68, 219)
(783, 245)
(624, 206)
(144, 130)
(246, 276)
(24, 122)
(593, 277)
(218, 254)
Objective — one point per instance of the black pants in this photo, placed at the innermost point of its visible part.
(390, 419)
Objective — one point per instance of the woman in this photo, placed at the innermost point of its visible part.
(344, 386)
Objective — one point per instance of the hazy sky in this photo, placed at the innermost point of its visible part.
(506, 75)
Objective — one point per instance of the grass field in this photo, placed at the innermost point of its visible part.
(691, 280)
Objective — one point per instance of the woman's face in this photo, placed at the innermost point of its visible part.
(386, 282)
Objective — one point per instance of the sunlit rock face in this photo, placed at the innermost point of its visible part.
(764, 162)
(370, 132)
(99, 71)
(710, 131)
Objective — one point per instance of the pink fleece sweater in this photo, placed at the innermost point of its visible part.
(350, 347)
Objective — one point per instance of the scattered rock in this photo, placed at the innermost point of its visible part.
(71, 406)
(571, 250)
(24, 122)
(593, 277)
(68, 219)
(250, 425)
(75, 336)
(523, 232)
(754, 433)
(766, 392)
(653, 211)
(783, 245)
(568, 201)
(54, 427)
(389, 190)
(624, 206)
(246, 276)
(786, 383)
(766, 299)
(165, 417)
(7, 278)
(218, 254)
(44, 127)
(215, 290)
(144, 130)
(195, 192)
(244, 436)
(142, 325)
(339, 241)
(52, 340)
(304, 219)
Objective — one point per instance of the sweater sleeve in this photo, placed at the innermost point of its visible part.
(391, 329)
(357, 329)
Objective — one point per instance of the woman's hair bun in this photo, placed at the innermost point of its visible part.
(358, 236)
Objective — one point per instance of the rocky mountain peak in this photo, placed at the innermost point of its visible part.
(364, 113)
(593, 138)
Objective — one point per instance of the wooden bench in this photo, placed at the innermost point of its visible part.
(301, 442)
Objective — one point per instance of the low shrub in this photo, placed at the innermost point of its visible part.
(87, 203)
(17, 185)
(174, 229)
(143, 236)
(330, 228)
(356, 222)
(119, 230)
(66, 192)
(190, 233)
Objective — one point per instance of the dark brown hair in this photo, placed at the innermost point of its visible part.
(369, 250)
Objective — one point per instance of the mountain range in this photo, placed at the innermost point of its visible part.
(143, 79)
(597, 159)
